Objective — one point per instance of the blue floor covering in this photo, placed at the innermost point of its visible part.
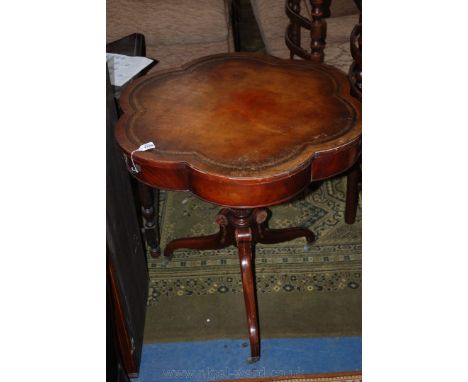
(226, 359)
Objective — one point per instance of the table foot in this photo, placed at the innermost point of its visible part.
(252, 359)
(266, 235)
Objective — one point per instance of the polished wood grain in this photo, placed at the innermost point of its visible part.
(244, 131)
(244, 244)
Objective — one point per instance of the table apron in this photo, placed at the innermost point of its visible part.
(248, 193)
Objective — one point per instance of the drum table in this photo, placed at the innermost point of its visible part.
(244, 131)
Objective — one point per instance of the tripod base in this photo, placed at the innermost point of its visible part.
(243, 228)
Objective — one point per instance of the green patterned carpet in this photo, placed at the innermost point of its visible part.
(301, 291)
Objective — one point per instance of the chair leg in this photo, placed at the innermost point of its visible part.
(352, 193)
(150, 218)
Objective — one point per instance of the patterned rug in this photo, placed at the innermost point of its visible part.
(335, 377)
(301, 291)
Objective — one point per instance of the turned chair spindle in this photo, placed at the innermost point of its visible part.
(318, 31)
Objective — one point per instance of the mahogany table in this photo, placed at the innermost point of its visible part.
(244, 131)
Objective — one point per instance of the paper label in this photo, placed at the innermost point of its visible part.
(146, 146)
(123, 68)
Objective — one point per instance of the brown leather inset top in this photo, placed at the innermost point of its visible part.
(239, 116)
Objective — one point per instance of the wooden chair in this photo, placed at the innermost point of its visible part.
(318, 31)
